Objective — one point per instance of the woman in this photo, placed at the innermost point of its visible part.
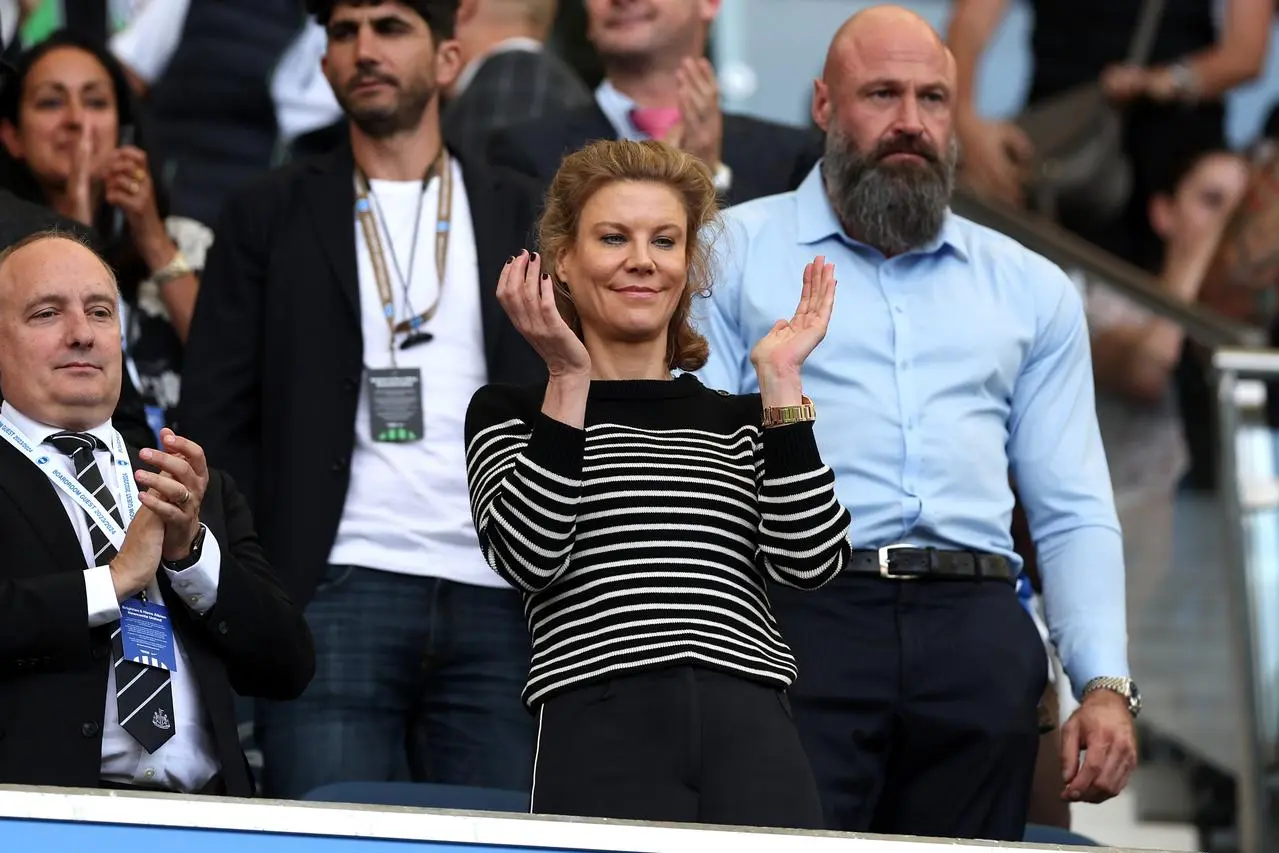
(1196, 60)
(641, 512)
(75, 144)
(1135, 354)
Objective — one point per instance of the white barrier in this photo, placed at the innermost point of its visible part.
(50, 819)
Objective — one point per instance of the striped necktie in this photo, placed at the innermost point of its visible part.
(144, 694)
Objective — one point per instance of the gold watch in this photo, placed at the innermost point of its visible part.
(176, 268)
(775, 416)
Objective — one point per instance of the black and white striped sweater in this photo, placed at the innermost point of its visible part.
(643, 541)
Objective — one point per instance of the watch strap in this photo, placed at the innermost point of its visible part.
(175, 268)
(1122, 686)
(190, 559)
(775, 416)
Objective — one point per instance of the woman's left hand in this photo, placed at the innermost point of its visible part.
(129, 187)
(782, 352)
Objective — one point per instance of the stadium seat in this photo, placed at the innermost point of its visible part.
(1040, 834)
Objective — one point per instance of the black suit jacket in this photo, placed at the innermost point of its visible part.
(53, 667)
(510, 87)
(767, 158)
(276, 353)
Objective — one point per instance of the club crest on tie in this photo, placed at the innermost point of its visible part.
(42, 460)
(161, 720)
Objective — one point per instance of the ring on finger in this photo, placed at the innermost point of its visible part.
(184, 497)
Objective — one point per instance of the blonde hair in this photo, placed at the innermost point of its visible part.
(584, 173)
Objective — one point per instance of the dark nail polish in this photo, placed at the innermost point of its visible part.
(535, 256)
(546, 277)
(511, 258)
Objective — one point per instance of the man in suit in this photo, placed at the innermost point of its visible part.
(20, 218)
(86, 522)
(507, 75)
(657, 85)
(347, 313)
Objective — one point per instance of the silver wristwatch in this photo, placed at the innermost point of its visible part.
(1125, 687)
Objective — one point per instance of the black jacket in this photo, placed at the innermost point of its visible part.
(275, 356)
(53, 667)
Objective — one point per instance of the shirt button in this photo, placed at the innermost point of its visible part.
(222, 628)
(194, 599)
(150, 773)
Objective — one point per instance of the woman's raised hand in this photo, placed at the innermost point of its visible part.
(528, 296)
(782, 352)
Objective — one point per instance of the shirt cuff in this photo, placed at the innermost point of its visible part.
(723, 178)
(99, 590)
(197, 585)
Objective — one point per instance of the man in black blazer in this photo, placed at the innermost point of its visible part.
(508, 76)
(656, 86)
(348, 435)
(75, 707)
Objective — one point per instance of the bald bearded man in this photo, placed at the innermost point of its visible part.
(954, 356)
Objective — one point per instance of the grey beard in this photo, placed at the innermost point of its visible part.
(893, 207)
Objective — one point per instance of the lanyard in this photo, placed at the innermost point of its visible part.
(368, 223)
(97, 512)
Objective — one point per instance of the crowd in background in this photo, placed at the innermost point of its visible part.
(217, 153)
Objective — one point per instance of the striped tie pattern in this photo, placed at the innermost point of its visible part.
(144, 694)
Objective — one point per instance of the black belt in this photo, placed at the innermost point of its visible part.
(214, 787)
(905, 562)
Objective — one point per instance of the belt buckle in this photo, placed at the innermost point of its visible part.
(888, 573)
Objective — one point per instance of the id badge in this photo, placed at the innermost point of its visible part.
(147, 635)
(395, 404)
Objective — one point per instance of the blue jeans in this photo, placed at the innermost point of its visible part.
(416, 678)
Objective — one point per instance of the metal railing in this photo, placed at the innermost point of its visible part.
(1253, 798)
(1071, 252)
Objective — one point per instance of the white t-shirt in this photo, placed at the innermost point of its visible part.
(407, 507)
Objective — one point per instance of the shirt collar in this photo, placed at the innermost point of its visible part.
(38, 432)
(617, 109)
(817, 221)
(528, 45)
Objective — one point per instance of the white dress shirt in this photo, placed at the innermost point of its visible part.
(187, 761)
(150, 39)
(303, 99)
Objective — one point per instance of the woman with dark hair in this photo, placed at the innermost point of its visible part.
(75, 143)
(642, 514)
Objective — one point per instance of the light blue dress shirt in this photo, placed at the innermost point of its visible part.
(943, 369)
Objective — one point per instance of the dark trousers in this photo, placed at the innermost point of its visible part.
(916, 701)
(682, 744)
(415, 678)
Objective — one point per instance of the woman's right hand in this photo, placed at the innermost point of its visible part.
(80, 180)
(528, 297)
